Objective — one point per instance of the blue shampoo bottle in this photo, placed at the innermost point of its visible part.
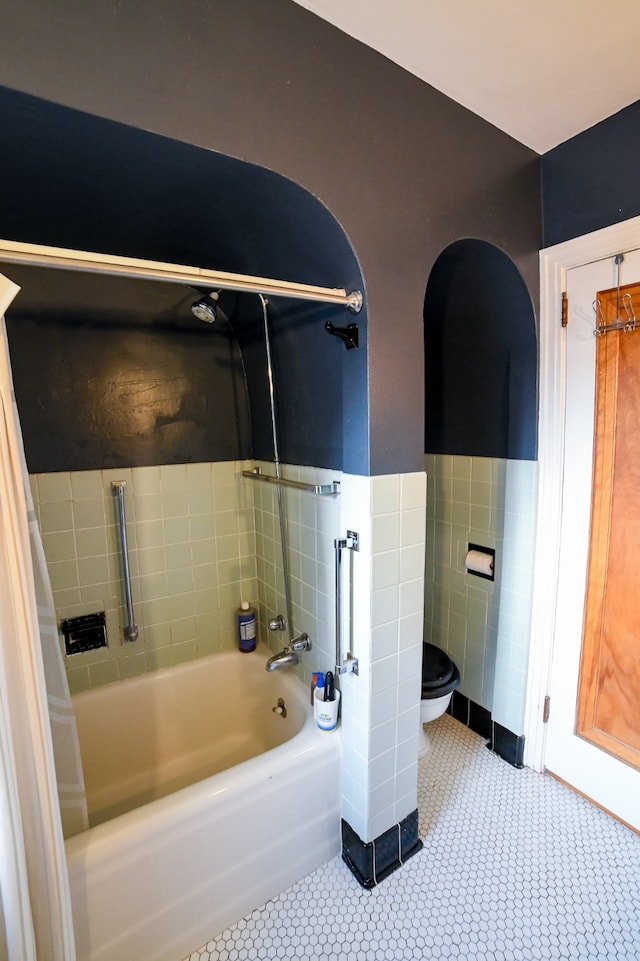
(246, 628)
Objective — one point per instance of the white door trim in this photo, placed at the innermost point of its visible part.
(554, 263)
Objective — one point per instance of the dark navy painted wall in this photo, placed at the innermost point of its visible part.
(481, 357)
(591, 181)
(92, 396)
(403, 169)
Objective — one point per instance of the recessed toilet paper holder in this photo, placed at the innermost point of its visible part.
(480, 561)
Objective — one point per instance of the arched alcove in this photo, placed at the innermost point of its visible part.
(480, 397)
(480, 355)
(80, 181)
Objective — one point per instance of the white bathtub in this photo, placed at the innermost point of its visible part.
(181, 861)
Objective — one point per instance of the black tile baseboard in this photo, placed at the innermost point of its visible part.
(508, 745)
(504, 742)
(459, 708)
(373, 861)
(480, 720)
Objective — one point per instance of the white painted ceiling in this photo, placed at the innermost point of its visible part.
(541, 70)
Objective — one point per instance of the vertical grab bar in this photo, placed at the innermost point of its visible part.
(130, 630)
(348, 663)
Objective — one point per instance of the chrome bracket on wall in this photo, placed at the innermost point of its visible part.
(345, 662)
(348, 335)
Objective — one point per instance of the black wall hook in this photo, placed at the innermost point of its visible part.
(348, 334)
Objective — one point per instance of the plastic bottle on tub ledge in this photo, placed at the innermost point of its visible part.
(317, 680)
(326, 703)
(246, 628)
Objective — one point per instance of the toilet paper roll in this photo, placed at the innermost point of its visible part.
(479, 563)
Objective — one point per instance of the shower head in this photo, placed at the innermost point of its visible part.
(205, 308)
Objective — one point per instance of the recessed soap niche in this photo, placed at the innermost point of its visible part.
(84, 633)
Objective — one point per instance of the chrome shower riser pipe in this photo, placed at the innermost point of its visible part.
(285, 561)
(278, 469)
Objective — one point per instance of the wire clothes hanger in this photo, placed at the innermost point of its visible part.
(624, 305)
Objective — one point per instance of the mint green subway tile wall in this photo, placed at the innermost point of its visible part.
(516, 587)
(465, 504)
(483, 626)
(312, 524)
(192, 556)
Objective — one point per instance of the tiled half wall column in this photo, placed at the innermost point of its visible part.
(381, 705)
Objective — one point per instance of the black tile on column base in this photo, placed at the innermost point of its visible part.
(372, 861)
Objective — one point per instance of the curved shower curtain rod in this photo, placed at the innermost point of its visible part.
(36, 255)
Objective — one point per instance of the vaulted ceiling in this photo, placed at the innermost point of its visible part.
(541, 70)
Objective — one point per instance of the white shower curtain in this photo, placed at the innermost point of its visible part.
(35, 916)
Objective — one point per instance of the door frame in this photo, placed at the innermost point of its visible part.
(554, 263)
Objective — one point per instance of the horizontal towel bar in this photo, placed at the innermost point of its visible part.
(256, 474)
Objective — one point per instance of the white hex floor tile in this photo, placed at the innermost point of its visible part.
(515, 867)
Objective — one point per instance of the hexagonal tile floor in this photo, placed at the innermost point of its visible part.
(515, 867)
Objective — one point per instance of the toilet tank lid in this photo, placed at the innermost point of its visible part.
(437, 667)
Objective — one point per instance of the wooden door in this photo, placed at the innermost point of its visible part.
(591, 694)
(609, 692)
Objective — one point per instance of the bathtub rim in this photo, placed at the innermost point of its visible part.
(261, 652)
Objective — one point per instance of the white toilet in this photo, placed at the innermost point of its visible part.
(440, 678)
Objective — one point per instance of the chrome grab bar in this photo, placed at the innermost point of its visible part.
(256, 474)
(344, 663)
(130, 630)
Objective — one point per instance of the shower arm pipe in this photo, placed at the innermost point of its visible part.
(37, 255)
(130, 630)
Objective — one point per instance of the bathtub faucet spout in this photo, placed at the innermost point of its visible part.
(291, 654)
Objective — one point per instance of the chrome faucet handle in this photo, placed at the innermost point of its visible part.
(277, 623)
(302, 643)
